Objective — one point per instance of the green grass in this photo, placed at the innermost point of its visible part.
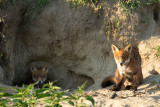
(3, 3)
(35, 8)
(149, 2)
(32, 8)
(50, 95)
(95, 4)
(157, 51)
(129, 5)
(1, 55)
(112, 28)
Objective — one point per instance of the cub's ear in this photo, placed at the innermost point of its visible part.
(128, 48)
(114, 48)
(33, 68)
(45, 68)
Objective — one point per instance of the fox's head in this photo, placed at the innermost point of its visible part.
(122, 57)
(39, 75)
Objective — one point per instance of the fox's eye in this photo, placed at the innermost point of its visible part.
(124, 57)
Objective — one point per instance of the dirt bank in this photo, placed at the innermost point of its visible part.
(76, 45)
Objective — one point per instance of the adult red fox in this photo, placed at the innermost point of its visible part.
(39, 75)
(129, 72)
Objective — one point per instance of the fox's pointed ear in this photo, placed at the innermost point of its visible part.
(114, 48)
(33, 68)
(128, 48)
(45, 68)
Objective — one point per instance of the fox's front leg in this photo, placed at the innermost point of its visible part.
(119, 84)
(133, 86)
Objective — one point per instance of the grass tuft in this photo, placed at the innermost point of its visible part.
(34, 9)
(157, 51)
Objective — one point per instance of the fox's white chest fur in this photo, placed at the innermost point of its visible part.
(123, 68)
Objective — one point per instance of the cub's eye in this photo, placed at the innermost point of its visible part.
(117, 57)
(124, 57)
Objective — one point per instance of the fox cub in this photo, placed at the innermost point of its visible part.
(39, 75)
(128, 74)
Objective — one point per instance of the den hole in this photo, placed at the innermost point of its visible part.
(156, 14)
(70, 81)
(74, 80)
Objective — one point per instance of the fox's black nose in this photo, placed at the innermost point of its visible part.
(121, 64)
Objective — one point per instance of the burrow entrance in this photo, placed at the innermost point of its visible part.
(66, 80)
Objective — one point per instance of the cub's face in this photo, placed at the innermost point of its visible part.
(39, 75)
(122, 56)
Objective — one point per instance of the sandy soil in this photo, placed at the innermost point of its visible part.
(144, 97)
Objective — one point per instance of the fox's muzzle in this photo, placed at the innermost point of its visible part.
(121, 64)
(124, 62)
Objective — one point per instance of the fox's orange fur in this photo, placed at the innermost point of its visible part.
(128, 74)
(39, 75)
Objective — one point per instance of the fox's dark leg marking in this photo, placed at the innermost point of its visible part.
(129, 76)
(119, 85)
